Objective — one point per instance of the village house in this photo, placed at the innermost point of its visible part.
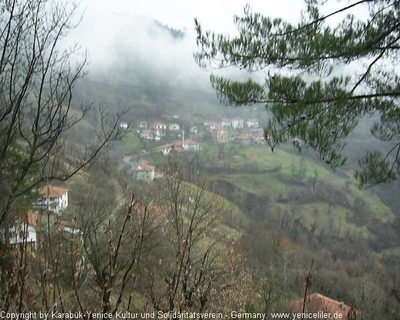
(166, 149)
(158, 133)
(144, 172)
(52, 198)
(321, 306)
(194, 129)
(244, 139)
(68, 227)
(143, 125)
(24, 231)
(123, 125)
(237, 123)
(190, 145)
(258, 137)
(174, 127)
(225, 122)
(252, 123)
(146, 134)
(213, 125)
(159, 126)
(220, 134)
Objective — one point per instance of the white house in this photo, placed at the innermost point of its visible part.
(158, 133)
(174, 127)
(237, 123)
(123, 125)
(159, 125)
(226, 122)
(166, 149)
(190, 145)
(146, 134)
(53, 198)
(143, 124)
(258, 137)
(252, 123)
(144, 172)
(25, 231)
(68, 227)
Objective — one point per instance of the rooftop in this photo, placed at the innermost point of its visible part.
(144, 167)
(190, 141)
(317, 302)
(32, 218)
(51, 191)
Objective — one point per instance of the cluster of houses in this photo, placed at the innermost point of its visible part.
(53, 200)
(239, 123)
(226, 130)
(155, 131)
(244, 132)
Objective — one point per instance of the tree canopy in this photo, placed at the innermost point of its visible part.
(320, 80)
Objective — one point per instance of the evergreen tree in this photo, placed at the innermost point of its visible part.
(320, 81)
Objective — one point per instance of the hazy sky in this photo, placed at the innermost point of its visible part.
(216, 14)
(110, 25)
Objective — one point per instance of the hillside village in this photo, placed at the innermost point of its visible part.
(175, 137)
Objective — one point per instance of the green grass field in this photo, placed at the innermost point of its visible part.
(284, 178)
(132, 143)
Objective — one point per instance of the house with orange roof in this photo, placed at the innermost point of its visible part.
(190, 145)
(146, 134)
(220, 134)
(24, 231)
(259, 137)
(53, 198)
(322, 307)
(243, 139)
(68, 226)
(144, 172)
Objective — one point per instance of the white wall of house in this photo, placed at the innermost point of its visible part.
(237, 123)
(191, 146)
(54, 204)
(252, 123)
(174, 126)
(226, 123)
(18, 234)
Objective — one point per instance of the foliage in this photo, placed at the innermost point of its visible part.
(199, 272)
(37, 79)
(321, 80)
